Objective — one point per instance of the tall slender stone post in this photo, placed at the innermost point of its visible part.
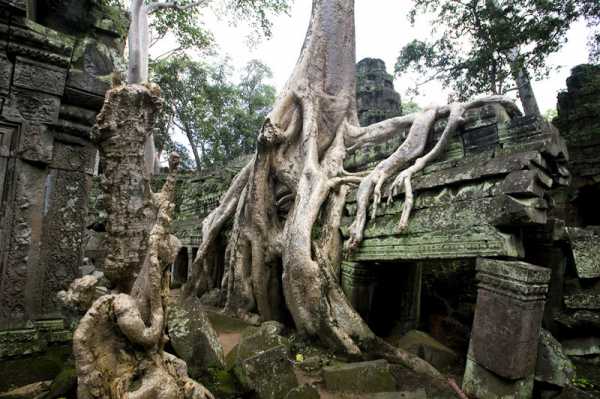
(504, 340)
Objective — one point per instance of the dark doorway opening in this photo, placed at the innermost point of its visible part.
(180, 268)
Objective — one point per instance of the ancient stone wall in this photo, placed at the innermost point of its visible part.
(52, 85)
(577, 317)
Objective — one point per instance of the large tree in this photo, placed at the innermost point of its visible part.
(286, 205)
(488, 46)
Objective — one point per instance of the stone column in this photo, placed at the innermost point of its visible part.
(190, 262)
(504, 340)
(358, 283)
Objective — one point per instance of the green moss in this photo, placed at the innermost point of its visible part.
(26, 370)
(223, 384)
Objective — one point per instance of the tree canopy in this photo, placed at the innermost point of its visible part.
(473, 43)
(220, 118)
(590, 10)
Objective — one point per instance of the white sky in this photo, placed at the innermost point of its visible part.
(382, 29)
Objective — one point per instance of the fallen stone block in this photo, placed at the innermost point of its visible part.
(270, 373)
(582, 346)
(255, 340)
(553, 366)
(364, 377)
(427, 348)
(193, 338)
(303, 392)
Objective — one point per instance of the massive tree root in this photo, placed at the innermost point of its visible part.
(285, 247)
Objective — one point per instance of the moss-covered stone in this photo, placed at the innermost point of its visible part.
(255, 340)
(361, 378)
(269, 373)
(553, 366)
(193, 338)
(426, 347)
(303, 392)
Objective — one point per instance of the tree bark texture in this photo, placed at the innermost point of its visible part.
(118, 344)
(122, 129)
(285, 247)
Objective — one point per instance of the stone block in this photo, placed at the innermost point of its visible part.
(37, 143)
(32, 106)
(303, 392)
(585, 244)
(74, 157)
(6, 68)
(7, 133)
(364, 377)
(583, 301)
(481, 383)
(20, 342)
(85, 82)
(450, 244)
(427, 348)
(193, 338)
(523, 183)
(255, 340)
(509, 312)
(582, 346)
(36, 76)
(270, 373)
(553, 366)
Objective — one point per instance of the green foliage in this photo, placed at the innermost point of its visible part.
(257, 13)
(590, 10)
(186, 25)
(410, 107)
(550, 114)
(219, 118)
(583, 383)
(472, 41)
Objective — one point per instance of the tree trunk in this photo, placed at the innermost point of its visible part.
(197, 158)
(118, 344)
(526, 94)
(295, 189)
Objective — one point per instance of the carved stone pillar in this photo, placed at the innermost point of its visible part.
(506, 329)
(358, 283)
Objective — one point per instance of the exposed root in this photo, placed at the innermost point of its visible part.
(370, 188)
(455, 120)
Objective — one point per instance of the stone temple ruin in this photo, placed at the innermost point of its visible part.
(501, 251)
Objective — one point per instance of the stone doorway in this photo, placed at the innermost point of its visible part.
(386, 294)
(180, 269)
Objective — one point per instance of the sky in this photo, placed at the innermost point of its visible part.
(382, 29)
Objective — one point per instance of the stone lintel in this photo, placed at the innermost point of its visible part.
(518, 280)
(454, 244)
